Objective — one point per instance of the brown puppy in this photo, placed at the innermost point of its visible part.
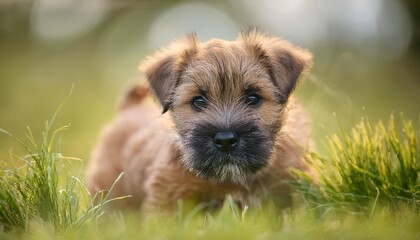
(230, 125)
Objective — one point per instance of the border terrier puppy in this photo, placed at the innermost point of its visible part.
(229, 125)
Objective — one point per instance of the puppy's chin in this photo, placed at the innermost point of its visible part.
(223, 173)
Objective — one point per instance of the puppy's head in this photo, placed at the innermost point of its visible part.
(227, 99)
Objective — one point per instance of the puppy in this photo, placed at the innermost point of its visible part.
(229, 125)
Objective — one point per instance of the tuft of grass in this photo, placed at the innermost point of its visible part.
(37, 192)
(366, 167)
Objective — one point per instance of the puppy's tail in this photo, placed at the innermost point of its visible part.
(132, 96)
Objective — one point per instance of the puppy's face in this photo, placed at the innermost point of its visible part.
(227, 99)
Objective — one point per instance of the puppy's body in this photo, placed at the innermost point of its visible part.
(237, 91)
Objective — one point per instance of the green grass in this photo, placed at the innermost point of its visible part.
(366, 166)
(368, 186)
(38, 191)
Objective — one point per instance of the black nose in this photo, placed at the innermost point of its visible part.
(226, 140)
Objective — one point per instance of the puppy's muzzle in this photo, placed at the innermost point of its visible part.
(226, 141)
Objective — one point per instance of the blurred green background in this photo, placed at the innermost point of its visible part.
(367, 57)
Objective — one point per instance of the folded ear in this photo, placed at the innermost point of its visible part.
(285, 63)
(163, 69)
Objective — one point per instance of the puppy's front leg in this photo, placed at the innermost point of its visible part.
(165, 184)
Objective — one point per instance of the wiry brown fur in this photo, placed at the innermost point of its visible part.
(158, 153)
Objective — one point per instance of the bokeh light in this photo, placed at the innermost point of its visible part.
(207, 21)
(370, 26)
(64, 19)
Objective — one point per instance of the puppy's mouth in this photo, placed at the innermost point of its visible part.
(223, 155)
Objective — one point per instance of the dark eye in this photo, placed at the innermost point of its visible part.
(198, 103)
(253, 99)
